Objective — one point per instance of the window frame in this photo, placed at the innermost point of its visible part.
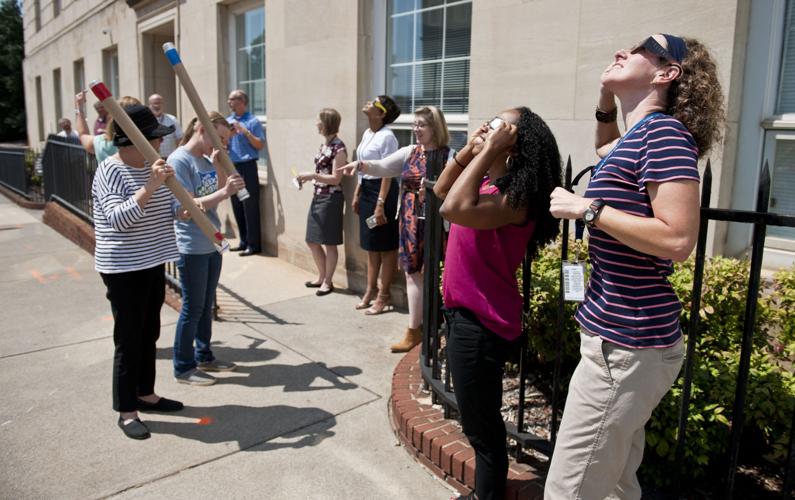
(79, 75)
(110, 62)
(234, 11)
(57, 88)
(456, 122)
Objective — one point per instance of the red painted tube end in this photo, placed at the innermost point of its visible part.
(100, 90)
(219, 236)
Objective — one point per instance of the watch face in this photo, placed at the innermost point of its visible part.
(588, 215)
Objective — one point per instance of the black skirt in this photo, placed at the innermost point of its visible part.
(324, 222)
(380, 238)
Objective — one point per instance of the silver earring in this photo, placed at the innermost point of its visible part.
(509, 162)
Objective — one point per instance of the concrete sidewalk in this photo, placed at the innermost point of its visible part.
(305, 415)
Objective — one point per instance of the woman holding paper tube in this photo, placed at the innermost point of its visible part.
(324, 221)
(199, 263)
(133, 222)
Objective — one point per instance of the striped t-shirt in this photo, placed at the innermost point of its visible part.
(629, 300)
(130, 238)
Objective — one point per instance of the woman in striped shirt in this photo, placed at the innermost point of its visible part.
(133, 222)
(641, 207)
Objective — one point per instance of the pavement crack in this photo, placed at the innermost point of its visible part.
(43, 349)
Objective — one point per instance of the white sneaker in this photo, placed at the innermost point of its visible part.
(195, 377)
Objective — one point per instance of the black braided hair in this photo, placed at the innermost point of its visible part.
(532, 176)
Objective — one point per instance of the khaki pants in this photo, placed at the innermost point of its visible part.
(611, 396)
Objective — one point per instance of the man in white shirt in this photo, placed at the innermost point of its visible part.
(65, 126)
(171, 141)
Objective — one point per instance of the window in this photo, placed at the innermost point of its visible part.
(79, 74)
(247, 42)
(427, 61)
(779, 148)
(37, 13)
(110, 70)
(56, 92)
(56, 8)
(39, 109)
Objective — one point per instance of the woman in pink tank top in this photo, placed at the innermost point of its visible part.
(496, 196)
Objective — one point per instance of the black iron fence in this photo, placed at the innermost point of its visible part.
(437, 377)
(68, 174)
(15, 174)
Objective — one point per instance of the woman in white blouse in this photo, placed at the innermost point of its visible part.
(409, 163)
(375, 199)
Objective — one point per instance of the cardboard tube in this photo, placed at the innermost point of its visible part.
(145, 148)
(201, 112)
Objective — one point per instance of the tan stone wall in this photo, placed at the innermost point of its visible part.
(549, 55)
(76, 33)
(545, 54)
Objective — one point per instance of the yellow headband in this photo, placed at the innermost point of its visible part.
(380, 106)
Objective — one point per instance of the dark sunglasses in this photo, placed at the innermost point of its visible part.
(651, 45)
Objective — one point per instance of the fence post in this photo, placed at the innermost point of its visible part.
(564, 256)
(758, 242)
(698, 278)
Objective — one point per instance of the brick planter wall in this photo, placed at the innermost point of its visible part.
(82, 234)
(438, 443)
(21, 200)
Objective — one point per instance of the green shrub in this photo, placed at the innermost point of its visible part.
(771, 386)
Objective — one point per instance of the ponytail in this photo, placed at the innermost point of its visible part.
(216, 119)
(188, 131)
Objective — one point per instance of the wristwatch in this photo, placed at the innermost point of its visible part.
(592, 213)
(606, 116)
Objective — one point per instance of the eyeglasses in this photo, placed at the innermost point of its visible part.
(236, 98)
(378, 105)
(496, 123)
(419, 125)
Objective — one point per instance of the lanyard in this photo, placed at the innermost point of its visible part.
(579, 225)
(621, 141)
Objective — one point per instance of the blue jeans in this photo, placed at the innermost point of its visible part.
(199, 276)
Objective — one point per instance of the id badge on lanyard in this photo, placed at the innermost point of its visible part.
(574, 272)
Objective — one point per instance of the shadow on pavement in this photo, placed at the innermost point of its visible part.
(251, 354)
(233, 307)
(250, 426)
(294, 378)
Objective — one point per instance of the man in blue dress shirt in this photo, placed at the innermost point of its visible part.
(244, 149)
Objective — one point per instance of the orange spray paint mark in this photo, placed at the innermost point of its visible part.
(107, 318)
(38, 276)
(73, 273)
(205, 421)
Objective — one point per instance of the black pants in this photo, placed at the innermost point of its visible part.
(476, 357)
(136, 298)
(247, 212)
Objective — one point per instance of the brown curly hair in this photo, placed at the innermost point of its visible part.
(696, 98)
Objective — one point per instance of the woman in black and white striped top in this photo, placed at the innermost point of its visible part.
(133, 221)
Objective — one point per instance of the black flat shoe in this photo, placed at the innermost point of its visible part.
(135, 429)
(321, 293)
(248, 251)
(312, 284)
(163, 404)
(238, 248)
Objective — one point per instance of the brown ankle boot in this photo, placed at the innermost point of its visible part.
(413, 337)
